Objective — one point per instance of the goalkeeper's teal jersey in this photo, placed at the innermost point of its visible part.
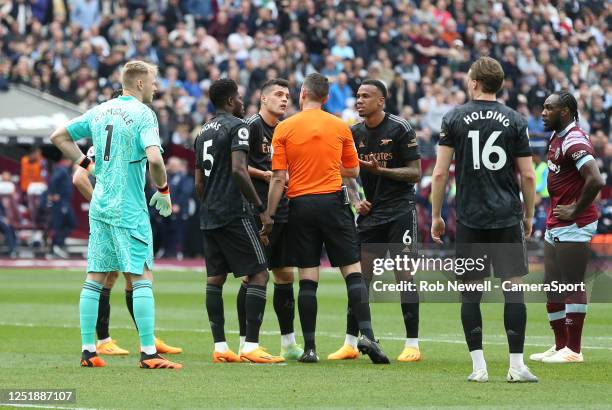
(121, 129)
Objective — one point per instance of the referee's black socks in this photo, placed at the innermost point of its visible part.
(216, 316)
(307, 308)
(358, 303)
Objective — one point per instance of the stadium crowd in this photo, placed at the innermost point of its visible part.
(421, 50)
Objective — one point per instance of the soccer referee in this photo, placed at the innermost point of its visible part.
(316, 149)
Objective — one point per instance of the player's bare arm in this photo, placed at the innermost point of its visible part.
(80, 179)
(593, 183)
(259, 174)
(528, 181)
(410, 173)
(438, 186)
(241, 176)
(61, 139)
(199, 183)
(275, 193)
(349, 172)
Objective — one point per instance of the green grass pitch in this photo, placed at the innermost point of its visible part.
(40, 347)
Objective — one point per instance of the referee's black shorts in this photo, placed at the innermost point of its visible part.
(315, 220)
(235, 248)
(504, 248)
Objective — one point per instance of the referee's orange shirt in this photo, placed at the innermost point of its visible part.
(311, 146)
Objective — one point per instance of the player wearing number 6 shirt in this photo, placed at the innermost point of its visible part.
(489, 140)
(389, 166)
(573, 182)
(125, 136)
(231, 243)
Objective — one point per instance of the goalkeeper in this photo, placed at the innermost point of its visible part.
(125, 136)
(106, 345)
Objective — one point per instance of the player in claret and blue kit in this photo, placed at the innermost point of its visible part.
(573, 183)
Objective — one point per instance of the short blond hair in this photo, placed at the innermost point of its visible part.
(134, 69)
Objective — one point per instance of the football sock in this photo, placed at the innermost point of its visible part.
(221, 347)
(249, 347)
(410, 312)
(144, 312)
(352, 327)
(358, 301)
(516, 360)
(351, 340)
(103, 314)
(216, 316)
(478, 360)
(556, 318)
(88, 313)
(307, 308)
(575, 313)
(412, 342)
(255, 307)
(471, 319)
(515, 320)
(288, 340)
(129, 301)
(241, 308)
(242, 341)
(284, 306)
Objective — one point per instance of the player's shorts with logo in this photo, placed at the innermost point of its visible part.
(235, 248)
(504, 248)
(322, 219)
(113, 248)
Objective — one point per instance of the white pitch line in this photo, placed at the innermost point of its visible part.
(48, 406)
(325, 334)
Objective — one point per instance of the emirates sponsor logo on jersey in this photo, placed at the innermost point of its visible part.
(554, 168)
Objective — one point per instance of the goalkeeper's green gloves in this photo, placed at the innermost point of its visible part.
(161, 201)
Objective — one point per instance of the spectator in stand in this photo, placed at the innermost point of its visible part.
(339, 93)
(8, 232)
(33, 169)
(174, 228)
(62, 214)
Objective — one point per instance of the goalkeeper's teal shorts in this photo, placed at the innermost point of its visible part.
(113, 248)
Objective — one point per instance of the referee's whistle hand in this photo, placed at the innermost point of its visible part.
(438, 227)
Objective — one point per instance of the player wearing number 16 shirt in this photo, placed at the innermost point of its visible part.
(489, 141)
(231, 242)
